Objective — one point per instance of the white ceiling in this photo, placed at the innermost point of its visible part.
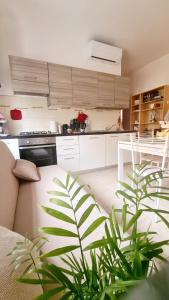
(50, 29)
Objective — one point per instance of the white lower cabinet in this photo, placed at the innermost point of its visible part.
(112, 148)
(13, 146)
(92, 151)
(67, 148)
(87, 152)
(69, 162)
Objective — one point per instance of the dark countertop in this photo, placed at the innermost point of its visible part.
(56, 134)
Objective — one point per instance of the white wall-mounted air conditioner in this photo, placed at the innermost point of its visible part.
(104, 53)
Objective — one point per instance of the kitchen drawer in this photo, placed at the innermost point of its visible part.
(65, 150)
(67, 140)
(69, 162)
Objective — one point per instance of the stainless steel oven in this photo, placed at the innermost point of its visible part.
(39, 150)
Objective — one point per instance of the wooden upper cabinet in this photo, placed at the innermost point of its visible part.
(29, 76)
(106, 84)
(122, 92)
(84, 83)
(60, 85)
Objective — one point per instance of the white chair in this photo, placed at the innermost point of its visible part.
(151, 169)
(154, 160)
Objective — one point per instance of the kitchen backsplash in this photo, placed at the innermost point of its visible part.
(36, 115)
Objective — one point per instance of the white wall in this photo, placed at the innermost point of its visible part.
(23, 32)
(37, 115)
(151, 76)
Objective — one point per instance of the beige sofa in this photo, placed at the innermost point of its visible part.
(20, 203)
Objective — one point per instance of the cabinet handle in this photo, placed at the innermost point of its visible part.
(68, 139)
(66, 158)
(30, 77)
(94, 137)
(68, 149)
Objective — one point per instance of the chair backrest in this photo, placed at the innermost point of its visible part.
(9, 187)
(163, 157)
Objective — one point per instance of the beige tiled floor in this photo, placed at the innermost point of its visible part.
(103, 184)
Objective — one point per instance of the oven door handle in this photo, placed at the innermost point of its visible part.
(36, 147)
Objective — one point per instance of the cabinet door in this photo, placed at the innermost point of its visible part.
(84, 88)
(92, 151)
(13, 146)
(60, 83)
(122, 92)
(29, 76)
(105, 90)
(111, 149)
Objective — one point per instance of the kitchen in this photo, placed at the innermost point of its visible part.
(84, 87)
(39, 125)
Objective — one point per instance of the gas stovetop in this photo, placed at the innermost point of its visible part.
(26, 133)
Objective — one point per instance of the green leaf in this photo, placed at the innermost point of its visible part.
(60, 202)
(66, 296)
(137, 265)
(128, 187)
(86, 214)
(73, 183)
(46, 274)
(68, 179)
(122, 285)
(60, 251)
(57, 214)
(116, 223)
(58, 231)
(77, 191)
(96, 244)
(56, 193)
(59, 183)
(93, 226)
(139, 235)
(124, 216)
(81, 201)
(158, 244)
(62, 278)
(35, 281)
(50, 293)
(114, 247)
(133, 219)
(126, 196)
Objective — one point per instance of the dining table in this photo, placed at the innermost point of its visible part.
(140, 145)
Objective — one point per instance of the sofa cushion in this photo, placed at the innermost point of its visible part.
(9, 186)
(10, 289)
(26, 170)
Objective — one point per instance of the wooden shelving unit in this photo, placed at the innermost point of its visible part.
(148, 108)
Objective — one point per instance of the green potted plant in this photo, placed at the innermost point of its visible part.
(122, 258)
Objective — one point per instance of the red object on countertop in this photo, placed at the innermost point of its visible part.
(82, 117)
(16, 114)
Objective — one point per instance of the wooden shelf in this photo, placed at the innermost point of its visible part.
(152, 101)
(149, 109)
(145, 111)
(148, 123)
